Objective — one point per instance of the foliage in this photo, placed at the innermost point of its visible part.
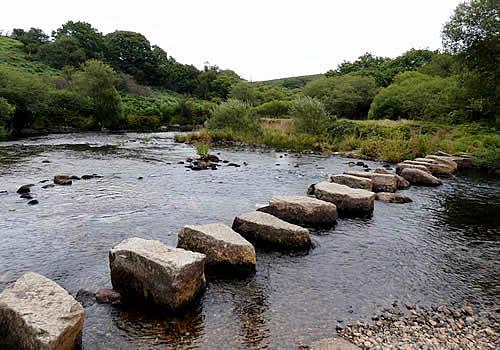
(215, 83)
(442, 65)
(202, 148)
(6, 113)
(418, 96)
(243, 91)
(31, 39)
(310, 115)
(142, 122)
(345, 96)
(191, 111)
(88, 39)
(274, 109)
(235, 115)
(290, 82)
(98, 81)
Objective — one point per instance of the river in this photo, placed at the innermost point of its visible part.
(442, 248)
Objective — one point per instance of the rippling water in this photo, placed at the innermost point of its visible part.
(442, 248)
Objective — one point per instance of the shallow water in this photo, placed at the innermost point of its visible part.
(442, 248)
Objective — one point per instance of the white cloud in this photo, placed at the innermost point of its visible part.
(259, 39)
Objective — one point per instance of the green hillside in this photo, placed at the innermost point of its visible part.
(291, 82)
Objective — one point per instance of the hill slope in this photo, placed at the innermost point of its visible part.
(290, 82)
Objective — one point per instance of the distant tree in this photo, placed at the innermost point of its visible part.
(345, 96)
(243, 91)
(442, 64)
(98, 81)
(88, 38)
(215, 83)
(32, 39)
(62, 52)
(293, 83)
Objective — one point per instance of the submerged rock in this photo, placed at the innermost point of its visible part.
(380, 182)
(48, 186)
(392, 197)
(420, 178)
(149, 270)
(74, 177)
(222, 246)
(62, 180)
(36, 313)
(25, 188)
(85, 297)
(383, 170)
(108, 296)
(349, 201)
(33, 202)
(302, 210)
(352, 181)
(26, 196)
(271, 231)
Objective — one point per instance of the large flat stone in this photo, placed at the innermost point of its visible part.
(149, 270)
(222, 246)
(401, 166)
(352, 181)
(380, 182)
(302, 210)
(37, 313)
(419, 177)
(444, 159)
(434, 167)
(269, 230)
(349, 201)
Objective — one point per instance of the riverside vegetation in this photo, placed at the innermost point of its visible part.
(385, 108)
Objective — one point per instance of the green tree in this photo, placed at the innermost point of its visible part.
(62, 52)
(32, 39)
(310, 115)
(243, 91)
(345, 96)
(235, 115)
(88, 38)
(6, 113)
(98, 81)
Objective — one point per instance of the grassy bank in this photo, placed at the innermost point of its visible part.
(386, 140)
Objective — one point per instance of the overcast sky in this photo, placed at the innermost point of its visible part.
(259, 39)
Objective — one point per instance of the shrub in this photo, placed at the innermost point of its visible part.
(202, 148)
(6, 113)
(66, 106)
(192, 111)
(235, 115)
(145, 123)
(310, 115)
(275, 108)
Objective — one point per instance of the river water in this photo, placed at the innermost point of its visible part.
(442, 248)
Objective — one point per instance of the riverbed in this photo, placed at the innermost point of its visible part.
(441, 248)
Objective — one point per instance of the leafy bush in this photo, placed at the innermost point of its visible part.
(66, 107)
(235, 115)
(418, 96)
(310, 115)
(190, 111)
(143, 122)
(275, 108)
(6, 113)
(345, 96)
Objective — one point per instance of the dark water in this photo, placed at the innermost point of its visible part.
(442, 248)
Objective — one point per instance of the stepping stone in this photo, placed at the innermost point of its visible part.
(37, 313)
(149, 270)
(302, 210)
(401, 166)
(269, 230)
(349, 201)
(420, 178)
(352, 181)
(402, 182)
(446, 160)
(62, 180)
(392, 197)
(436, 168)
(223, 247)
(380, 182)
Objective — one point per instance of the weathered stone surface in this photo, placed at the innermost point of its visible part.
(402, 182)
(463, 162)
(62, 180)
(443, 159)
(302, 210)
(348, 200)
(380, 182)
(269, 230)
(401, 166)
(352, 181)
(333, 344)
(419, 177)
(149, 270)
(222, 246)
(108, 296)
(382, 171)
(441, 153)
(436, 168)
(36, 313)
(392, 197)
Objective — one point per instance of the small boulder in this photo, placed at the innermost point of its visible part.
(352, 181)
(223, 247)
(271, 231)
(74, 177)
(33, 202)
(26, 196)
(233, 165)
(62, 180)
(302, 210)
(382, 171)
(402, 182)
(37, 313)
(401, 166)
(380, 182)
(25, 188)
(108, 296)
(392, 197)
(149, 270)
(85, 297)
(419, 177)
(349, 201)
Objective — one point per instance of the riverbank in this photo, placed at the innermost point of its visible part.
(385, 140)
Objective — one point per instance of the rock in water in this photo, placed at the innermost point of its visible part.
(223, 247)
(333, 344)
(382, 171)
(25, 189)
(62, 180)
(108, 296)
(380, 182)
(302, 210)
(419, 177)
(392, 197)
(436, 168)
(401, 166)
(149, 270)
(446, 160)
(271, 231)
(352, 181)
(37, 313)
(349, 201)
(402, 182)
